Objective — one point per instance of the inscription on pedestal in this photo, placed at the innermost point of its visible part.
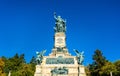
(60, 60)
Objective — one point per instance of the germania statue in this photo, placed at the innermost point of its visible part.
(60, 24)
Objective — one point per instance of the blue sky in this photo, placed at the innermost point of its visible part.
(26, 26)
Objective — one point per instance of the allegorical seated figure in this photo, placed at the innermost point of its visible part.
(60, 24)
(61, 70)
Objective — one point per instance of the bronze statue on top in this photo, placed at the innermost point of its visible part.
(60, 24)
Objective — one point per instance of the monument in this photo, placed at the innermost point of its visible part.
(60, 62)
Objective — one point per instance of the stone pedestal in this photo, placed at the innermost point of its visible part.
(74, 69)
(38, 71)
(81, 70)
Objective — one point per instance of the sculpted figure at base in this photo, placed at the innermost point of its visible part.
(80, 56)
(61, 70)
(60, 24)
(40, 56)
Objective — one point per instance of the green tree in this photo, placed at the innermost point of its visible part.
(14, 63)
(98, 62)
(25, 70)
(22, 59)
(107, 68)
(2, 64)
(117, 64)
(33, 63)
(33, 60)
(18, 66)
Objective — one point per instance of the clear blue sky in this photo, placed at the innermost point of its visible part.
(27, 26)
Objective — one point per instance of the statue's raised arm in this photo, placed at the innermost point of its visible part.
(77, 52)
(55, 16)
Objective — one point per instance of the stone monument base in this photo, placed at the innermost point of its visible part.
(40, 69)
